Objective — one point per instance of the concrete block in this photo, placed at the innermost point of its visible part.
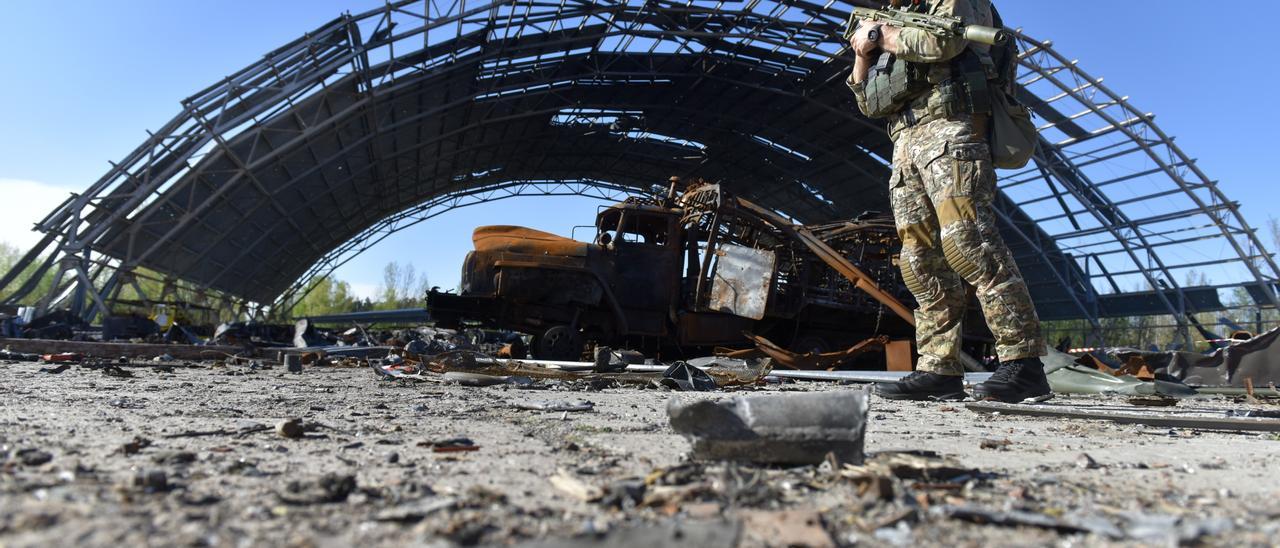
(776, 429)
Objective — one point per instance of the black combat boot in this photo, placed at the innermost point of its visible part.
(922, 385)
(1016, 381)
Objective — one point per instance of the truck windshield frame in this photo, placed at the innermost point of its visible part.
(637, 227)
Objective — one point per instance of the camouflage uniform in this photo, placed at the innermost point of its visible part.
(941, 191)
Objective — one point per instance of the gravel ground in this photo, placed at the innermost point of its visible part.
(186, 454)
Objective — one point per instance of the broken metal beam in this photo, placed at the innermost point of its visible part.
(402, 315)
(116, 350)
(1202, 423)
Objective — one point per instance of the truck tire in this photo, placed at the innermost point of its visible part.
(559, 343)
(811, 343)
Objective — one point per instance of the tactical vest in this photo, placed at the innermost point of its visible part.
(926, 91)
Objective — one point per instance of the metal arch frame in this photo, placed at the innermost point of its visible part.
(603, 191)
(354, 173)
(147, 252)
(775, 50)
(1055, 162)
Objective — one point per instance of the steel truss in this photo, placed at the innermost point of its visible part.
(373, 122)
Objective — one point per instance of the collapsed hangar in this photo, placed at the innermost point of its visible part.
(279, 173)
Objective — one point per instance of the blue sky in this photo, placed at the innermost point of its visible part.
(85, 80)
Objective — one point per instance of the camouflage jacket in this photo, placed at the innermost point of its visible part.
(922, 47)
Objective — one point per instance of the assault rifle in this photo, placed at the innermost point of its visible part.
(939, 25)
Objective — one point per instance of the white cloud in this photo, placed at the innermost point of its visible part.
(24, 203)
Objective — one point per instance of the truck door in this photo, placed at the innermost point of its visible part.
(648, 264)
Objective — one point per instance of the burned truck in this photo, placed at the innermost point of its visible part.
(680, 272)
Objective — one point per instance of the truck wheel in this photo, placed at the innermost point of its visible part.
(559, 343)
(811, 343)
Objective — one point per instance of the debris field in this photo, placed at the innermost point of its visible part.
(220, 453)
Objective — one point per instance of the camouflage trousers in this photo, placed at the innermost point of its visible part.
(941, 191)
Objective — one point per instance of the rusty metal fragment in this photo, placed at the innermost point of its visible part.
(827, 361)
(734, 372)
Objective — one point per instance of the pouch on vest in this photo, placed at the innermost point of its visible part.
(891, 84)
(1013, 134)
(965, 91)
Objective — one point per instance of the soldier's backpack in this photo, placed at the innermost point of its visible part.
(1013, 134)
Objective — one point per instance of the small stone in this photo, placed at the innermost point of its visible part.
(174, 457)
(33, 457)
(1002, 445)
(133, 447)
(293, 362)
(151, 480)
(291, 429)
(329, 488)
(393, 457)
(1087, 462)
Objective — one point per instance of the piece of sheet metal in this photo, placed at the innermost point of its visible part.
(1079, 379)
(742, 279)
(1149, 419)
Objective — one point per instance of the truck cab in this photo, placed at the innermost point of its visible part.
(624, 283)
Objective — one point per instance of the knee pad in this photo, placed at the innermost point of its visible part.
(911, 281)
(961, 260)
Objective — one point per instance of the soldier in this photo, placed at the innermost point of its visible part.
(935, 93)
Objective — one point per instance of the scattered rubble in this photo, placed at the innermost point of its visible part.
(442, 441)
(409, 461)
(557, 406)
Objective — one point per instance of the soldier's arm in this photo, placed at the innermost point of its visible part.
(861, 67)
(922, 47)
(857, 81)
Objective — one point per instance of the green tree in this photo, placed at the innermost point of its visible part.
(9, 257)
(326, 296)
(401, 287)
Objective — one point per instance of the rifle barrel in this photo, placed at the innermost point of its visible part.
(941, 26)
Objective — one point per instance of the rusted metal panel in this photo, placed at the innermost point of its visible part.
(897, 356)
(742, 279)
